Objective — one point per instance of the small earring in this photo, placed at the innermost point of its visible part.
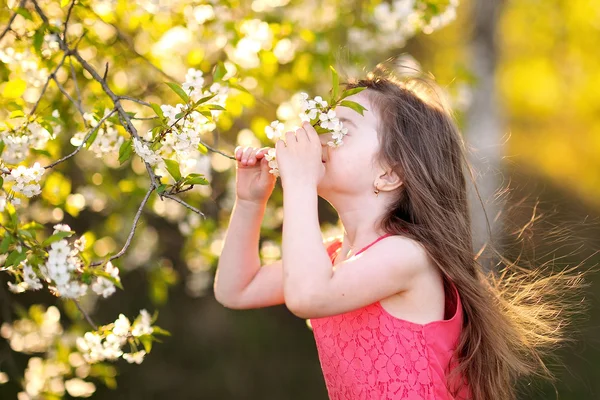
(376, 191)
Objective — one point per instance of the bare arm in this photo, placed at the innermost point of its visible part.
(240, 281)
(239, 261)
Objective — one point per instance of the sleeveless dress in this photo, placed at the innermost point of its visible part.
(369, 354)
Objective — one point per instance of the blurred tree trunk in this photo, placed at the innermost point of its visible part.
(484, 128)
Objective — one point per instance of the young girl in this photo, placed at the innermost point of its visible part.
(399, 306)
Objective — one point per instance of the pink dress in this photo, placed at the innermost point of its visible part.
(370, 354)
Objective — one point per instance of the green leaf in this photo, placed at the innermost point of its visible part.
(25, 13)
(20, 257)
(160, 331)
(161, 188)
(125, 151)
(40, 151)
(238, 87)
(147, 342)
(64, 2)
(336, 84)
(180, 92)
(56, 237)
(38, 39)
(12, 213)
(6, 241)
(195, 179)
(219, 71)
(157, 110)
(202, 148)
(1, 178)
(33, 225)
(16, 114)
(214, 107)
(1, 147)
(350, 92)
(204, 99)
(173, 168)
(353, 105)
(92, 138)
(13, 257)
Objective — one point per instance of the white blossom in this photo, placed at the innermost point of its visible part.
(275, 130)
(26, 180)
(103, 286)
(145, 152)
(136, 357)
(107, 141)
(143, 325)
(30, 277)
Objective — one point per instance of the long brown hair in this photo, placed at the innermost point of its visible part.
(512, 316)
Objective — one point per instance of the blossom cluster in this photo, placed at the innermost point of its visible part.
(107, 343)
(399, 20)
(256, 36)
(32, 70)
(27, 335)
(26, 180)
(62, 271)
(17, 146)
(32, 136)
(185, 126)
(107, 141)
(39, 332)
(316, 111)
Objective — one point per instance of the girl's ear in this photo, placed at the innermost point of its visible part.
(389, 181)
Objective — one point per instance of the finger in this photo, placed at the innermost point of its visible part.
(279, 144)
(261, 153)
(238, 152)
(290, 136)
(252, 157)
(311, 133)
(301, 134)
(247, 151)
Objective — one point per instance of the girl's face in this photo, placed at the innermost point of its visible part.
(349, 168)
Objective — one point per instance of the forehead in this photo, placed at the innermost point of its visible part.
(368, 119)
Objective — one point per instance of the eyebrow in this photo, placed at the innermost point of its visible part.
(348, 120)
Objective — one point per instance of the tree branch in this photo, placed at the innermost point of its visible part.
(131, 233)
(12, 18)
(35, 106)
(90, 133)
(87, 317)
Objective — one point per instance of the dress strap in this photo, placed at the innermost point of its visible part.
(376, 240)
(339, 243)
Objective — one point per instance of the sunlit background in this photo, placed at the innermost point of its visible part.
(523, 77)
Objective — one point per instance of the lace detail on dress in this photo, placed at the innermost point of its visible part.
(365, 354)
(369, 354)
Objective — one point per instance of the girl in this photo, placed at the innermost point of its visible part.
(399, 306)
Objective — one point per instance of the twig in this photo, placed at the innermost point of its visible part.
(84, 140)
(47, 82)
(67, 19)
(217, 151)
(131, 233)
(87, 317)
(63, 90)
(12, 18)
(177, 199)
(74, 77)
(127, 124)
(142, 102)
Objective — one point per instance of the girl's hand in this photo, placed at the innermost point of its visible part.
(254, 183)
(299, 157)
